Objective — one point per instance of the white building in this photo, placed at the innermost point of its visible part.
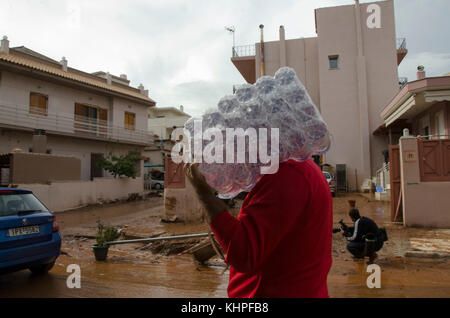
(163, 120)
(81, 114)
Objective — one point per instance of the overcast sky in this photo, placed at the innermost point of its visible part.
(180, 50)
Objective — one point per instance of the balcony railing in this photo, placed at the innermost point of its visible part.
(243, 50)
(69, 124)
(383, 177)
(402, 81)
(401, 44)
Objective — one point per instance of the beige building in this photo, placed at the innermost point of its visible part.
(163, 120)
(350, 71)
(48, 107)
(419, 160)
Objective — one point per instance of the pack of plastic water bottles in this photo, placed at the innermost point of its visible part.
(281, 103)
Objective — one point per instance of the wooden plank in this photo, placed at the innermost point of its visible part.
(398, 205)
(394, 172)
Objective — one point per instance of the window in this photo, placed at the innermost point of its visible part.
(424, 126)
(90, 118)
(38, 104)
(333, 60)
(11, 203)
(129, 120)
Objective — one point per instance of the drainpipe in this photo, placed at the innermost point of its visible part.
(261, 27)
(363, 103)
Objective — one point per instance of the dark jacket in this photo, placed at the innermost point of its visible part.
(363, 226)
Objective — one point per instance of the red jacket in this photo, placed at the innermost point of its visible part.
(280, 244)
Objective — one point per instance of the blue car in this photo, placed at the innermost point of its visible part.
(29, 234)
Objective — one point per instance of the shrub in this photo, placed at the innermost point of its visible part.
(124, 165)
(105, 234)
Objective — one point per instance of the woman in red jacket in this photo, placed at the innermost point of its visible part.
(280, 244)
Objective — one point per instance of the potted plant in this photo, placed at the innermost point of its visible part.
(104, 235)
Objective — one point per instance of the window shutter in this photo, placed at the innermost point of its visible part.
(103, 114)
(79, 109)
(38, 104)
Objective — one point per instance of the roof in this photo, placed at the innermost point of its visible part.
(26, 50)
(416, 96)
(25, 57)
(174, 109)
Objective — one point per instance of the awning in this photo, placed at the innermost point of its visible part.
(152, 165)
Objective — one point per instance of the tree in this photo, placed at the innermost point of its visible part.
(124, 165)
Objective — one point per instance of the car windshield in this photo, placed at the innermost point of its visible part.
(17, 203)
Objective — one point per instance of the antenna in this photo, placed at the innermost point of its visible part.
(231, 29)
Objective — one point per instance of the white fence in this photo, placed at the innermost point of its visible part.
(71, 124)
(66, 195)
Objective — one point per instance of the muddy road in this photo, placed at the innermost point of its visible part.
(142, 270)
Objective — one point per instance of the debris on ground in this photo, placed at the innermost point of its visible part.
(65, 253)
(170, 247)
(171, 219)
(154, 193)
(437, 245)
(203, 252)
(422, 254)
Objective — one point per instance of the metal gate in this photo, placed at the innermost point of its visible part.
(341, 178)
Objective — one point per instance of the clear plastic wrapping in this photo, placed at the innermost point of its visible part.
(280, 102)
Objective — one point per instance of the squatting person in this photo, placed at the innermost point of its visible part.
(364, 228)
(280, 244)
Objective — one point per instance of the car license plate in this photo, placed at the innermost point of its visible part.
(24, 230)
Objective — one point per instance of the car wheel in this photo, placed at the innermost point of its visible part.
(41, 269)
(157, 186)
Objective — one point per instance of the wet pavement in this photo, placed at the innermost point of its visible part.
(132, 270)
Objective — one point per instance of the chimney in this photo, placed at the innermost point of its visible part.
(108, 78)
(5, 45)
(124, 76)
(282, 46)
(39, 141)
(420, 72)
(182, 108)
(64, 64)
(142, 90)
(282, 35)
(261, 49)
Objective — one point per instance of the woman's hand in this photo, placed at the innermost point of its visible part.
(212, 204)
(197, 180)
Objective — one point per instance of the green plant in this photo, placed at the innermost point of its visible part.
(105, 234)
(124, 165)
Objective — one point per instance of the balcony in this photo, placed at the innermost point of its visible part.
(243, 50)
(20, 117)
(244, 57)
(401, 50)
